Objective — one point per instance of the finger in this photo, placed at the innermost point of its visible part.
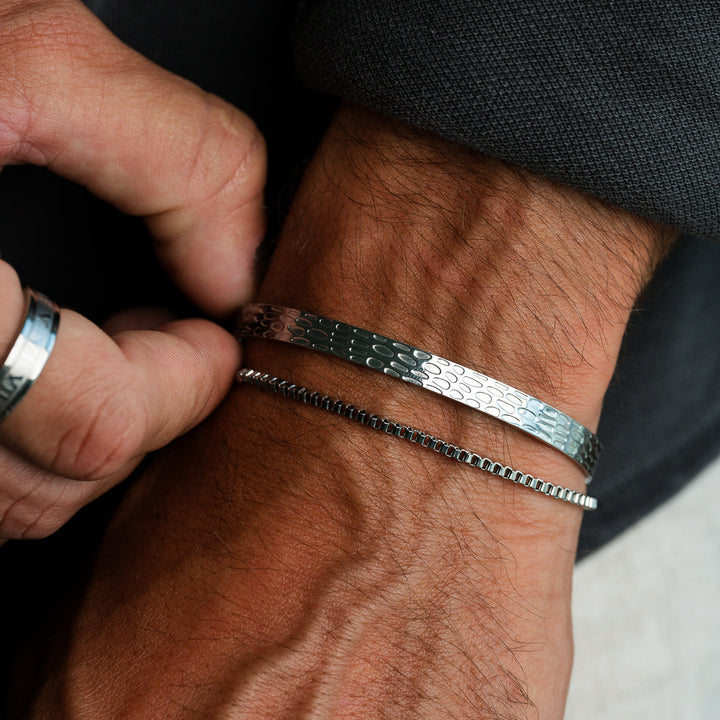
(34, 503)
(101, 402)
(141, 318)
(76, 99)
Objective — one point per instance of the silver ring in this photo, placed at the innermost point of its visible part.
(31, 351)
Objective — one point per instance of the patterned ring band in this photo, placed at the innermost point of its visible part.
(303, 395)
(427, 370)
(31, 350)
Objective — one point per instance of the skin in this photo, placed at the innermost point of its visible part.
(279, 562)
(76, 100)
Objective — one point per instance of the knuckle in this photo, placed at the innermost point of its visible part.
(100, 439)
(31, 518)
(247, 141)
(45, 523)
(233, 153)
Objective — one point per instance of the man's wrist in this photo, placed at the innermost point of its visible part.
(521, 278)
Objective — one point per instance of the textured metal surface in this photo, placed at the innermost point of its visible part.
(301, 394)
(429, 371)
(30, 352)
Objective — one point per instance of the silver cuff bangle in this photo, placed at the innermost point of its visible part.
(422, 368)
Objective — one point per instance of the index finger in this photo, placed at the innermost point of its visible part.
(79, 101)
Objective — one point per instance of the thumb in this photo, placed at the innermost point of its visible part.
(102, 402)
(77, 100)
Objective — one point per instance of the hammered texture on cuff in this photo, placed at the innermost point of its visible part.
(426, 370)
(287, 389)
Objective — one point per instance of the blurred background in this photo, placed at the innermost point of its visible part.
(646, 615)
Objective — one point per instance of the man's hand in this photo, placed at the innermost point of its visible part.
(280, 562)
(75, 99)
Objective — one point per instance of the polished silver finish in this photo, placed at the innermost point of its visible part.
(31, 350)
(429, 371)
(301, 394)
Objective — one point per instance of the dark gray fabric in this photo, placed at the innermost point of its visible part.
(620, 99)
(661, 419)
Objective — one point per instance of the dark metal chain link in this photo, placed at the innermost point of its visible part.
(287, 389)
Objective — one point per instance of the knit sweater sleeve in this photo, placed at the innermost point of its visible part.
(620, 99)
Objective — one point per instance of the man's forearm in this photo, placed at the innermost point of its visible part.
(281, 562)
